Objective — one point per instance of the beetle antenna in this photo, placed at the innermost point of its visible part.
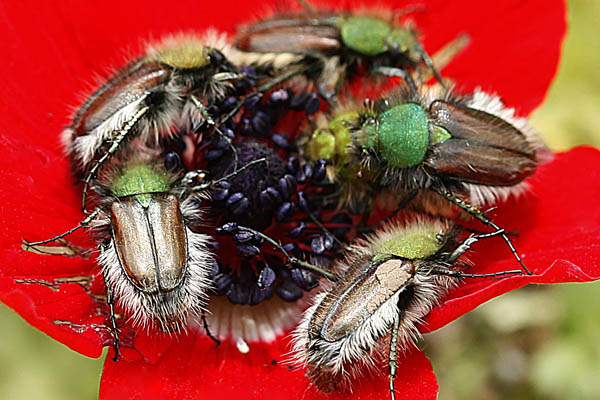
(121, 135)
(485, 220)
(291, 259)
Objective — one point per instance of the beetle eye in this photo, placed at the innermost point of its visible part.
(216, 57)
(173, 161)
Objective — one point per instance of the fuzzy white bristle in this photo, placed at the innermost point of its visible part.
(169, 311)
(334, 364)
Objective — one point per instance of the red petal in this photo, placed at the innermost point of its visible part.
(559, 235)
(56, 48)
(195, 368)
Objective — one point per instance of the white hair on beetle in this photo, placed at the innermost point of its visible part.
(337, 363)
(176, 310)
(176, 112)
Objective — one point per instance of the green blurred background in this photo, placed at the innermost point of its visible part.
(504, 349)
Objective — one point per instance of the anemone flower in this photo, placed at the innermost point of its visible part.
(56, 50)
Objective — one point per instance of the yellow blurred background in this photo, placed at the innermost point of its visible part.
(504, 349)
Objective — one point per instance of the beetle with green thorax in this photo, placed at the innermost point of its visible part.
(330, 47)
(389, 282)
(431, 149)
(156, 269)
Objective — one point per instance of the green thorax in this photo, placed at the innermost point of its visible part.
(186, 55)
(400, 135)
(413, 246)
(140, 180)
(365, 35)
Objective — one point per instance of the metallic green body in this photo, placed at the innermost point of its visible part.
(417, 245)
(140, 180)
(400, 135)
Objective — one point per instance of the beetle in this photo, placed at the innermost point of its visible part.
(330, 47)
(167, 89)
(156, 268)
(388, 283)
(427, 147)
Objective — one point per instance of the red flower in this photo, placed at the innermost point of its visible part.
(55, 50)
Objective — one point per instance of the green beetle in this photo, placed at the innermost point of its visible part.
(331, 47)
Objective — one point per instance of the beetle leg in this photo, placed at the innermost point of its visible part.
(485, 220)
(398, 73)
(205, 323)
(111, 305)
(393, 359)
(210, 121)
(116, 142)
(427, 60)
(82, 224)
(459, 274)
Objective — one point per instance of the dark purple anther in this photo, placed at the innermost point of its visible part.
(272, 195)
(317, 245)
(213, 154)
(287, 186)
(294, 233)
(308, 170)
(249, 71)
(298, 102)
(220, 194)
(289, 291)
(229, 133)
(252, 101)
(285, 212)
(235, 294)
(221, 282)
(259, 295)
(279, 96)
(304, 279)
(293, 165)
(240, 207)
(221, 144)
(301, 176)
(328, 241)
(223, 185)
(246, 127)
(288, 247)
(302, 202)
(248, 250)
(243, 237)
(261, 122)
(312, 104)
(229, 104)
(280, 140)
(258, 239)
(234, 198)
(320, 170)
(284, 188)
(229, 227)
(266, 277)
